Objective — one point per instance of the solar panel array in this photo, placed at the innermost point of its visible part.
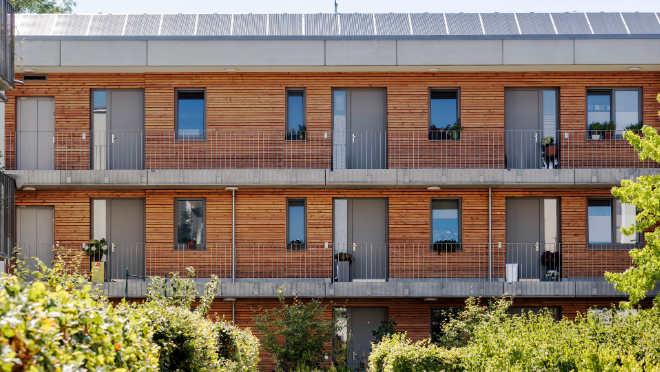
(339, 24)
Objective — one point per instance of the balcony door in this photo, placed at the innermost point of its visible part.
(529, 116)
(35, 227)
(118, 129)
(359, 127)
(35, 133)
(362, 323)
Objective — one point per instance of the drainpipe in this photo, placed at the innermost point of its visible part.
(490, 235)
(233, 234)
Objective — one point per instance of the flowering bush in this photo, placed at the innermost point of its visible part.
(238, 350)
(96, 247)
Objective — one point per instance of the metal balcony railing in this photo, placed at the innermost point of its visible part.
(393, 262)
(7, 41)
(468, 149)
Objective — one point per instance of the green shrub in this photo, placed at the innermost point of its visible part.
(398, 354)
(238, 350)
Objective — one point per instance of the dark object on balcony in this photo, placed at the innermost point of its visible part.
(595, 130)
(343, 257)
(297, 135)
(609, 128)
(550, 260)
(343, 272)
(449, 245)
(456, 130)
(297, 245)
(636, 128)
(550, 147)
(450, 132)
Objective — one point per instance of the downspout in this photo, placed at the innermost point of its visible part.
(490, 235)
(233, 235)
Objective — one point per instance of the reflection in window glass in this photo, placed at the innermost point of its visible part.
(600, 221)
(444, 109)
(627, 108)
(598, 107)
(190, 224)
(550, 224)
(340, 339)
(445, 221)
(99, 101)
(296, 221)
(625, 217)
(190, 113)
(549, 113)
(295, 110)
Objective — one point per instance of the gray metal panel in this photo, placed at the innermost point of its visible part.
(607, 23)
(71, 24)
(35, 234)
(107, 25)
(464, 24)
(214, 24)
(250, 24)
(363, 321)
(178, 25)
(642, 23)
(535, 24)
(571, 23)
(34, 24)
(357, 24)
(125, 228)
(321, 24)
(500, 23)
(126, 121)
(523, 232)
(392, 24)
(428, 24)
(285, 24)
(367, 125)
(142, 24)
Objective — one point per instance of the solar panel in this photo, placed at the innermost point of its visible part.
(107, 24)
(642, 23)
(500, 24)
(392, 24)
(322, 24)
(214, 24)
(535, 24)
(178, 25)
(357, 24)
(142, 24)
(464, 24)
(571, 23)
(428, 24)
(250, 24)
(71, 24)
(607, 23)
(285, 24)
(34, 24)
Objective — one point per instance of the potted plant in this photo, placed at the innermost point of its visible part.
(302, 132)
(609, 128)
(291, 135)
(96, 249)
(456, 130)
(636, 128)
(594, 130)
(297, 245)
(343, 260)
(548, 143)
(434, 133)
(445, 245)
(190, 243)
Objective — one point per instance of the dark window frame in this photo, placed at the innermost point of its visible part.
(287, 223)
(430, 115)
(460, 219)
(454, 309)
(295, 137)
(187, 137)
(198, 247)
(613, 245)
(612, 92)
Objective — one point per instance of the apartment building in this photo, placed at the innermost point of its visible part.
(392, 164)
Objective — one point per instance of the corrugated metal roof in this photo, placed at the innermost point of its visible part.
(337, 25)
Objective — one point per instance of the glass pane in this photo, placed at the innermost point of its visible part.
(340, 341)
(549, 113)
(190, 114)
(550, 224)
(600, 221)
(190, 221)
(296, 223)
(598, 107)
(444, 107)
(340, 103)
(625, 217)
(445, 221)
(627, 108)
(99, 100)
(295, 111)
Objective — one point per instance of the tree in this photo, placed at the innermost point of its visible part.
(43, 6)
(645, 195)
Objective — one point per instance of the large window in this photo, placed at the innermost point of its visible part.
(555, 311)
(621, 106)
(190, 114)
(444, 114)
(296, 224)
(190, 218)
(445, 225)
(606, 217)
(295, 114)
(440, 317)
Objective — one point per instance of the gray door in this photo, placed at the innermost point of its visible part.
(126, 237)
(524, 236)
(366, 129)
(35, 234)
(367, 237)
(523, 128)
(362, 322)
(35, 148)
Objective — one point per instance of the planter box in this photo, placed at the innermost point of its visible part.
(343, 271)
(595, 136)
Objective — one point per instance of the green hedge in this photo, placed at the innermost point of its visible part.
(398, 354)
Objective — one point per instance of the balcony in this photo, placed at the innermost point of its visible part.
(404, 158)
(386, 270)
(7, 39)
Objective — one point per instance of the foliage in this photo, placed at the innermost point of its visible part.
(47, 326)
(635, 128)
(343, 256)
(96, 247)
(395, 353)
(609, 126)
(548, 140)
(43, 6)
(386, 328)
(238, 350)
(644, 194)
(295, 335)
(179, 291)
(596, 126)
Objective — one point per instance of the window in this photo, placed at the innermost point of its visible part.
(606, 217)
(190, 221)
(296, 224)
(444, 117)
(445, 225)
(190, 114)
(295, 114)
(625, 101)
(517, 310)
(440, 317)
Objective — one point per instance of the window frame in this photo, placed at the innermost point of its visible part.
(460, 220)
(286, 112)
(287, 224)
(458, 109)
(614, 245)
(188, 138)
(612, 91)
(198, 247)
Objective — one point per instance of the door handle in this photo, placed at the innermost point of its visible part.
(113, 138)
(353, 138)
(113, 247)
(537, 246)
(354, 247)
(536, 137)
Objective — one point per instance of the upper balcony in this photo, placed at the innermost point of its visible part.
(391, 158)
(7, 40)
